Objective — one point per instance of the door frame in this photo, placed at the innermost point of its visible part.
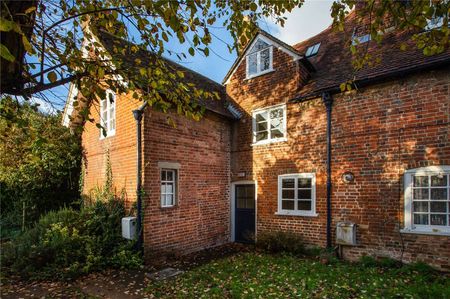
(233, 206)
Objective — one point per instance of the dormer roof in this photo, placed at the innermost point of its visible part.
(270, 39)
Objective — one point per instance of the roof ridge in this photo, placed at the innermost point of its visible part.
(163, 57)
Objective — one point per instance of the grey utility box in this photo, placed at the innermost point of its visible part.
(346, 233)
(129, 227)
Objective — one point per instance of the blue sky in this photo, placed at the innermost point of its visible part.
(301, 24)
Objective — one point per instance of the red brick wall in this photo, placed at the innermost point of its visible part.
(378, 133)
(121, 147)
(201, 217)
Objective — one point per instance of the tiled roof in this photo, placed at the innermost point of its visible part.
(129, 59)
(333, 63)
(258, 32)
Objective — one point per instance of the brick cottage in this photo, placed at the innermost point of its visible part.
(285, 150)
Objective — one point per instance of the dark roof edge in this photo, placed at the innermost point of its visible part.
(439, 64)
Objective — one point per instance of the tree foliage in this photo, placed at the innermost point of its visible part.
(57, 43)
(39, 164)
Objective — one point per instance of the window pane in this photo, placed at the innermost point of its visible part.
(421, 219)
(438, 206)
(169, 188)
(261, 136)
(304, 182)
(259, 45)
(261, 117)
(262, 126)
(420, 194)
(420, 206)
(438, 219)
(287, 204)
(437, 180)
(163, 175)
(420, 181)
(304, 194)
(304, 205)
(439, 194)
(169, 200)
(163, 188)
(252, 64)
(265, 59)
(276, 113)
(163, 199)
(170, 175)
(276, 123)
(288, 194)
(288, 183)
(276, 134)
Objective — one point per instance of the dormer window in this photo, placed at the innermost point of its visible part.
(313, 50)
(259, 59)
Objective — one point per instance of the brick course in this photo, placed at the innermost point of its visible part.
(201, 217)
(378, 133)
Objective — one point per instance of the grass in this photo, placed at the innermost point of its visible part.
(256, 275)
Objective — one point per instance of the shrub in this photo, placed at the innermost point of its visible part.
(281, 242)
(39, 166)
(67, 243)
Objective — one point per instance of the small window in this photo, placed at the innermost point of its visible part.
(108, 115)
(168, 187)
(427, 201)
(361, 39)
(313, 50)
(269, 125)
(259, 59)
(297, 194)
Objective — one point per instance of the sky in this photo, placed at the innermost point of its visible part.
(301, 24)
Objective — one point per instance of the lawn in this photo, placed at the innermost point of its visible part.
(257, 275)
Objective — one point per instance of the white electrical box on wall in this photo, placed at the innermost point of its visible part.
(346, 233)
(129, 227)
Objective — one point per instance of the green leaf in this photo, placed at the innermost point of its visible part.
(27, 44)
(5, 54)
(52, 76)
(253, 6)
(6, 25)
(30, 9)
(191, 51)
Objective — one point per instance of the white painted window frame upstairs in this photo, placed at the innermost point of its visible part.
(269, 139)
(258, 60)
(106, 104)
(409, 226)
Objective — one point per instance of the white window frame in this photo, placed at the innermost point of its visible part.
(269, 139)
(258, 60)
(106, 123)
(312, 50)
(357, 40)
(296, 176)
(409, 226)
(174, 192)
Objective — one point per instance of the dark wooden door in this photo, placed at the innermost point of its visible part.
(244, 213)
